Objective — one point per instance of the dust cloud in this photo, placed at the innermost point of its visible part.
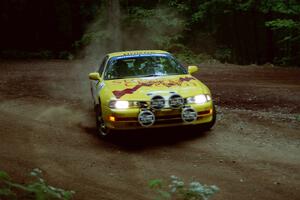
(115, 30)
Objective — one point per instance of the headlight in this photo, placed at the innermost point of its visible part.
(199, 99)
(118, 104)
(122, 104)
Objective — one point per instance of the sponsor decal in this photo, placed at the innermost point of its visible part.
(149, 83)
(138, 54)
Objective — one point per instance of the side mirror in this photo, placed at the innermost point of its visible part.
(94, 76)
(192, 69)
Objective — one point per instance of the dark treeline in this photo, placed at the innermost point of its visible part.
(241, 31)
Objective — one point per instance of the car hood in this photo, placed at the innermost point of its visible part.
(143, 88)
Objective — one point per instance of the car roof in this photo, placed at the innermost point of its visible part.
(136, 52)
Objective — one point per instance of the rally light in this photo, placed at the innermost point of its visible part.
(188, 114)
(146, 118)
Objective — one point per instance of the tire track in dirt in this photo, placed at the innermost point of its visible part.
(47, 121)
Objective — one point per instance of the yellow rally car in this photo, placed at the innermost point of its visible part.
(147, 89)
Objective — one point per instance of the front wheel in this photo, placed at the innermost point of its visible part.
(209, 125)
(102, 129)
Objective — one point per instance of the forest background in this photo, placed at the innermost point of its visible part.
(234, 31)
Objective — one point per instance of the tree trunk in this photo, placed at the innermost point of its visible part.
(114, 25)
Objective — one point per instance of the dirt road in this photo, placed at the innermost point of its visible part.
(253, 152)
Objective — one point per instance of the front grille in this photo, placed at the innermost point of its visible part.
(168, 117)
(168, 121)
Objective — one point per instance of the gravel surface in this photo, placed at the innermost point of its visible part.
(47, 121)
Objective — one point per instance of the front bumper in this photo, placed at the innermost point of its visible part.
(128, 118)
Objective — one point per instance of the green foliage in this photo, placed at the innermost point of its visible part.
(163, 25)
(288, 34)
(291, 7)
(43, 54)
(66, 55)
(225, 19)
(282, 61)
(140, 28)
(94, 35)
(97, 33)
(283, 24)
(180, 6)
(254, 31)
(155, 184)
(37, 189)
(4, 175)
(189, 57)
(223, 54)
(245, 6)
(177, 189)
(201, 12)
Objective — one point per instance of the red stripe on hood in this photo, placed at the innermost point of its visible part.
(120, 93)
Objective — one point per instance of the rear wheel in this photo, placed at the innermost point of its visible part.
(102, 129)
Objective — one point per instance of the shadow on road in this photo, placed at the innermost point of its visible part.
(132, 140)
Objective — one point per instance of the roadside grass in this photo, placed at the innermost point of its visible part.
(298, 118)
(37, 188)
(177, 189)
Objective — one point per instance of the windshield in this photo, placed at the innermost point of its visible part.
(142, 66)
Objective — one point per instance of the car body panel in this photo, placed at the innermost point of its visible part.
(139, 88)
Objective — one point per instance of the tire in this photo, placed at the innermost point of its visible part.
(209, 125)
(102, 130)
